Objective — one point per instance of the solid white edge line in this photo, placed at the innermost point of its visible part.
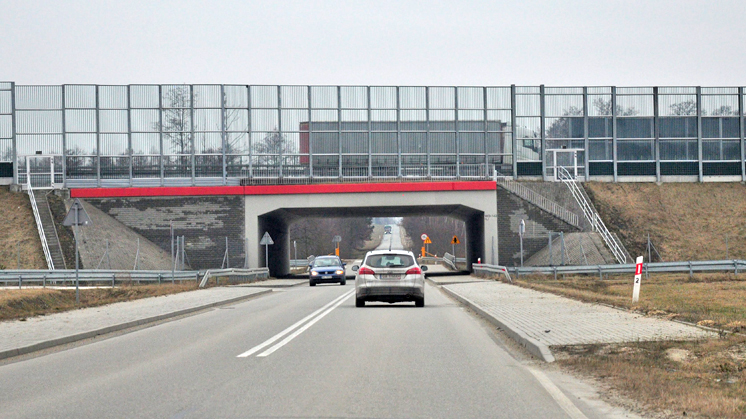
(563, 401)
(291, 328)
(303, 329)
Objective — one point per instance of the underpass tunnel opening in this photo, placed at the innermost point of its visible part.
(280, 225)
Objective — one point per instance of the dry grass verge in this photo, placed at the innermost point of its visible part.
(704, 378)
(20, 304)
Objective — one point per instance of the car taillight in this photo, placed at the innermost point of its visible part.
(414, 271)
(366, 271)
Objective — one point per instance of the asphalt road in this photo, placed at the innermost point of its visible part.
(381, 361)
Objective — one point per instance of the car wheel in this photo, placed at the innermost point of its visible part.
(312, 283)
(343, 282)
(419, 302)
(359, 302)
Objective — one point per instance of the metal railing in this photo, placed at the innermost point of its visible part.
(481, 269)
(40, 227)
(249, 274)
(735, 266)
(592, 216)
(539, 200)
(92, 277)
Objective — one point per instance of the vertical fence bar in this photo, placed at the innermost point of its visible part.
(586, 143)
(339, 129)
(742, 120)
(370, 138)
(223, 134)
(543, 134)
(656, 135)
(310, 140)
(251, 141)
(14, 140)
(129, 131)
(487, 171)
(699, 134)
(613, 132)
(279, 130)
(458, 132)
(64, 142)
(398, 132)
(514, 140)
(427, 132)
(192, 143)
(98, 142)
(160, 132)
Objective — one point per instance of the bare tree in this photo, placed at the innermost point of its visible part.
(272, 147)
(685, 108)
(176, 124)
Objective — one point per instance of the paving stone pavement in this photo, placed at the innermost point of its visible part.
(275, 283)
(461, 279)
(548, 319)
(36, 333)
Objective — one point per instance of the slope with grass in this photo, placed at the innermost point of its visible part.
(686, 221)
(18, 234)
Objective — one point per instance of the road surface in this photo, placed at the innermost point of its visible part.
(381, 361)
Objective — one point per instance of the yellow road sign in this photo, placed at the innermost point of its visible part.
(455, 240)
(428, 241)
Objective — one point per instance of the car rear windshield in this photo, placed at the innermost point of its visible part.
(327, 262)
(389, 261)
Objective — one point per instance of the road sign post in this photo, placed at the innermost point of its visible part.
(521, 231)
(266, 241)
(336, 241)
(77, 217)
(638, 279)
(454, 242)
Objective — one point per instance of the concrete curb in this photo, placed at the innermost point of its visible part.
(122, 326)
(536, 348)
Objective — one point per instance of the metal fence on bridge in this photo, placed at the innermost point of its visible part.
(180, 135)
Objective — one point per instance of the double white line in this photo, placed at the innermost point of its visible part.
(315, 316)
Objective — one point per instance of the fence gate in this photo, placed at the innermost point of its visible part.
(563, 157)
(40, 171)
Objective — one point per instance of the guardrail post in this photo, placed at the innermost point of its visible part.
(735, 267)
(113, 277)
(555, 273)
(44, 283)
(691, 273)
(159, 279)
(20, 281)
(600, 273)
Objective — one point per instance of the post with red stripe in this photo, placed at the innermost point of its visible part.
(638, 279)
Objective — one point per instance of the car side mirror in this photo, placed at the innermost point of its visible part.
(355, 268)
(344, 264)
(424, 268)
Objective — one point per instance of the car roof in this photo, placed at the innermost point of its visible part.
(388, 252)
(326, 257)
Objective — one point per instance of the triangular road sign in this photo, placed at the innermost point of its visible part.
(454, 240)
(428, 241)
(266, 239)
(83, 218)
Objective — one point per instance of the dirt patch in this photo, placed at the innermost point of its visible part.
(21, 304)
(20, 246)
(670, 379)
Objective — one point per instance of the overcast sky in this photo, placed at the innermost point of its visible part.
(523, 42)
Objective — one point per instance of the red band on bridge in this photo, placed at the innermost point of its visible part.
(282, 189)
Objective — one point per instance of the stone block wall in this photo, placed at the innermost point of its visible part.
(204, 221)
(511, 210)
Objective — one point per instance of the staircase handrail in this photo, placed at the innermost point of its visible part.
(40, 227)
(539, 200)
(592, 216)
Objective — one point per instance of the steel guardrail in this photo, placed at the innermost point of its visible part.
(734, 265)
(91, 276)
(255, 273)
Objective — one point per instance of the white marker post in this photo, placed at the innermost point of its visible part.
(638, 279)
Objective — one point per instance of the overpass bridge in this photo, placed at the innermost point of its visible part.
(250, 211)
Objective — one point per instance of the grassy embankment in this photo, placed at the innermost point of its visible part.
(20, 246)
(20, 304)
(686, 222)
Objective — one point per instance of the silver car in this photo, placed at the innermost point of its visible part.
(390, 276)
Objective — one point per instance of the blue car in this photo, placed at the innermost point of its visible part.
(326, 269)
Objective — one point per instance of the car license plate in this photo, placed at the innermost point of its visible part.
(326, 277)
(390, 276)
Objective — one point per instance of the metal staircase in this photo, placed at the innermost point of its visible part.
(47, 231)
(592, 216)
